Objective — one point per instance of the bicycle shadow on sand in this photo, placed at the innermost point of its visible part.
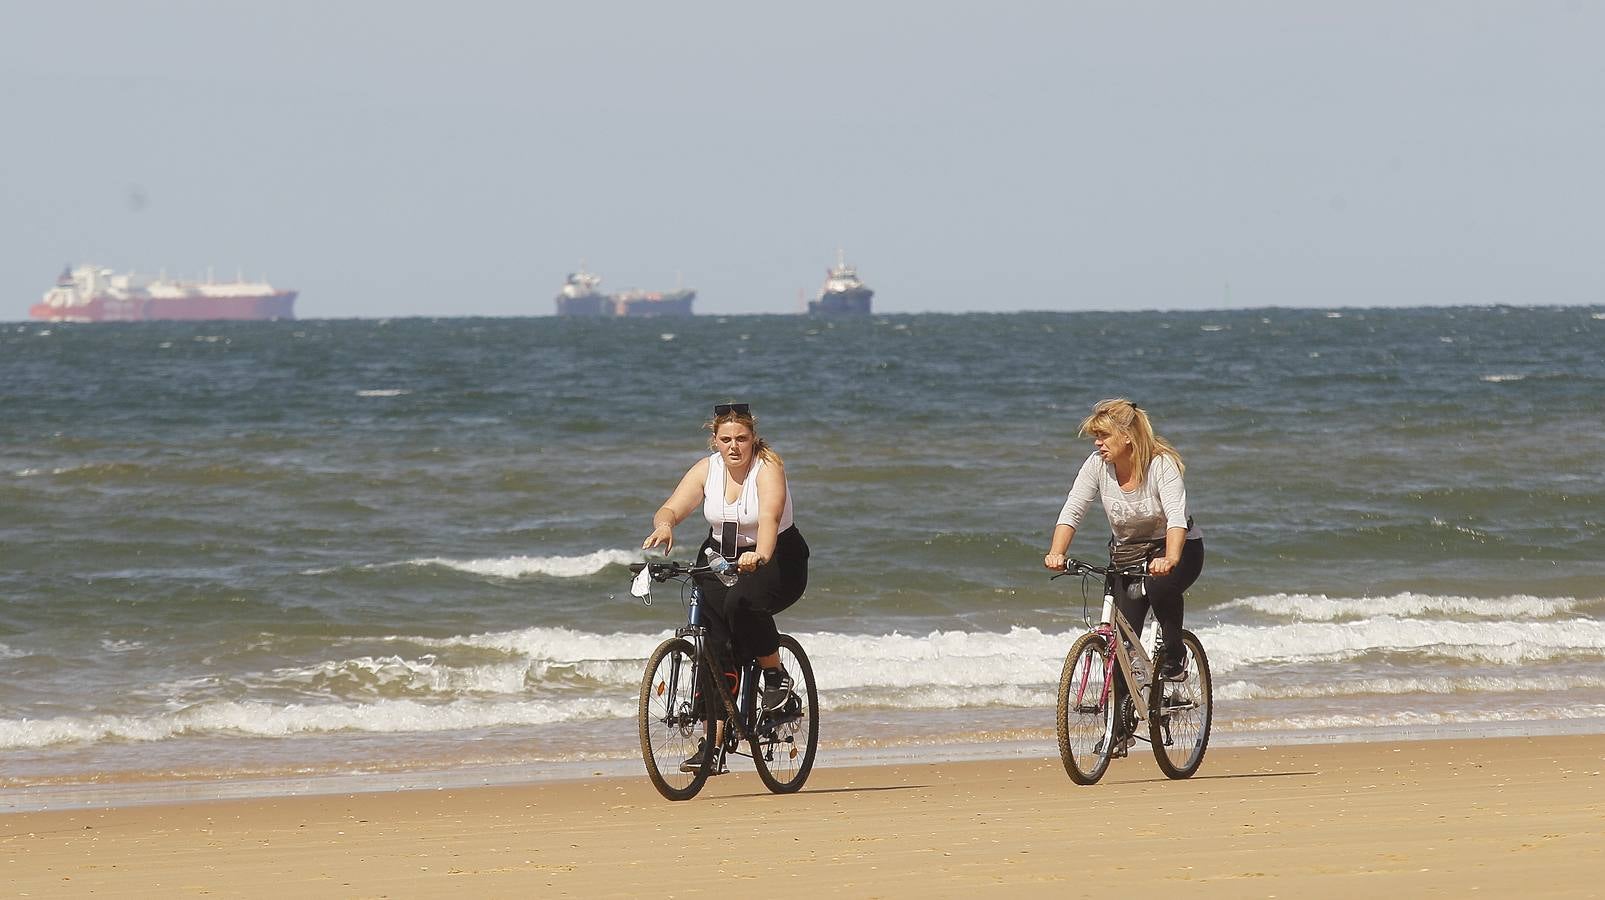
(840, 790)
(1222, 777)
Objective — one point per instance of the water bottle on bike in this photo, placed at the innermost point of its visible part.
(723, 569)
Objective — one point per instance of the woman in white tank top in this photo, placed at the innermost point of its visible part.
(742, 489)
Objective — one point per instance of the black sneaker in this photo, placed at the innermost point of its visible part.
(776, 689)
(1174, 670)
(694, 762)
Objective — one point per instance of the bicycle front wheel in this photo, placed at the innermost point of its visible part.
(1084, 710)
(1180, 713)
(785, 740)
(673, 722)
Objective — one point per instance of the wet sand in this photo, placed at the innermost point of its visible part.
(1453, 818)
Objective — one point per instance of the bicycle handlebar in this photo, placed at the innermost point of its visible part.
(663, 570)
(1080, 567)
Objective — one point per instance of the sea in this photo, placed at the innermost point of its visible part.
(284, 556)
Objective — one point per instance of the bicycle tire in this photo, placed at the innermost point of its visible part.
(783, 766)
(1084, 710)
(1180, 713)
(671, 719)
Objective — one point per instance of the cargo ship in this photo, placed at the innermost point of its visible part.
(579, 297)
(90, 293)
(843, 293)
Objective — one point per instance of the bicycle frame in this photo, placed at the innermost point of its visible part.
(739, 703)
(1128, 656)
(1098, 721)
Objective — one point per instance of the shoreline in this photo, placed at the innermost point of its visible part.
(1451, 816)
(139, 788)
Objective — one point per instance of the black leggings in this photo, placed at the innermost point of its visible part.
(1165, 596)
(742, 616)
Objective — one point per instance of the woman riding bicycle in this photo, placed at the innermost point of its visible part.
(742, 489)
(1138, 475)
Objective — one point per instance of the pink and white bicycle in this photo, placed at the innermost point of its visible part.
(1112, 695)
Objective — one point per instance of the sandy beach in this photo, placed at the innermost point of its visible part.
(1432, 818)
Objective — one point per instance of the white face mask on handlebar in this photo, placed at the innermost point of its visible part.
(642, 585)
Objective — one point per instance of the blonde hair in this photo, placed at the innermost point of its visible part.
(760, 447)
(1121, 416)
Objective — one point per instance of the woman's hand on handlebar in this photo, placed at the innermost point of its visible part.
(749, 561)
(661, 534)
(1054, 562)
(1160, 565)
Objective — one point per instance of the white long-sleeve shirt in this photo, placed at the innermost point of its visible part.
(1159, 503)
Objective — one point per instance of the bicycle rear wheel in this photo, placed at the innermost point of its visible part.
(785, 741)
(673, 722)
(1180, 713)
(1084, 710)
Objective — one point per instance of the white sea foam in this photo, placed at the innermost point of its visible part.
(278, 720)
(1394, 718)
(555, 644)
(384, 392)
(1501, 378)
(960, 660)
(1321, 608)
(520, 566)
(543, 676)
(388, 675)
(1429, 684)
(1507, 643)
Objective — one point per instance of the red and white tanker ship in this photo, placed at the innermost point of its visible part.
(96, 294)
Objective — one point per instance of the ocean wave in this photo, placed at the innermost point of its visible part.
(1235, 646)
(1409, 717)
(521, 566)
(392, 676)
(962, 659)
(557, 644)
(258, 719)
(1321, 608)
(1395, 685)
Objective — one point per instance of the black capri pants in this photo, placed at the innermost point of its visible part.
(742, 616)
(1165, 596)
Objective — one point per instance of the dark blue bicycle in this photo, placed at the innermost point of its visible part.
(677, 717)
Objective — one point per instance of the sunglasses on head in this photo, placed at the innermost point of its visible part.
(725, 409)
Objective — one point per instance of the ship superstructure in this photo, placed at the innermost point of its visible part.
(843, 293)
(90, 293)
(579, 296)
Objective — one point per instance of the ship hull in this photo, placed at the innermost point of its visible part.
(592, 305)
(630, 304)
(266, 307)
(675, 303)
(842, 303)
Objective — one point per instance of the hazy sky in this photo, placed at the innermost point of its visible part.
(405, 158)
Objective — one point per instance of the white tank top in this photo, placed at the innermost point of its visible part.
(743, 512)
